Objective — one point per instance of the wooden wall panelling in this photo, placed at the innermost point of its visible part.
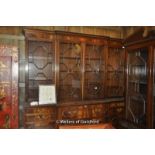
(74, 29)
(130, 30)
(11, 30)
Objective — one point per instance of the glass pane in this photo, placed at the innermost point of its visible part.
(137, 86)
(41, 67)
(115, 72)
(94, 72)
(70, 72)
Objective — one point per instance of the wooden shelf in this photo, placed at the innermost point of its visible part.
(93, 59)
(74, 58)
(40, 79)
(138, 82)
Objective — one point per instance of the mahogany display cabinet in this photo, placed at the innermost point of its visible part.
(87, 70)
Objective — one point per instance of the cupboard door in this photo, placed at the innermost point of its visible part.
(41, 63)
(70, 74)
(137, 85)
(115, 72)
(8, 87)
(94, 72)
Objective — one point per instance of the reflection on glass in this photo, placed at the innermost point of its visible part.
(137, 86)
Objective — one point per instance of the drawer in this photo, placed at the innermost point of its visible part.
(40, 110)
(116, 110)
(40, 125)
(97, 110)
(74, 112)
(40, 117)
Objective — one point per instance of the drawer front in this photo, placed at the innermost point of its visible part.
(46, 117)
(73, 112)
(40, 117)
(97, 111)
(116, 110)
(101, 112)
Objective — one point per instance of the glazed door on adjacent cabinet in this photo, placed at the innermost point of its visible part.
(137, 86)
(8, 87)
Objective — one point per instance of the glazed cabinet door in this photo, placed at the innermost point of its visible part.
(8, 87)
(94, 70)
(70, 69)
(40, 65)
(115, 70)
(137, 85)
(40, 70)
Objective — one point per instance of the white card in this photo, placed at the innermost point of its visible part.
(47, 94)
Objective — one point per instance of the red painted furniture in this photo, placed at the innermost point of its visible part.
(8, 87)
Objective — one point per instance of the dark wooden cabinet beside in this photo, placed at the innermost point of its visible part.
(139, 79)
